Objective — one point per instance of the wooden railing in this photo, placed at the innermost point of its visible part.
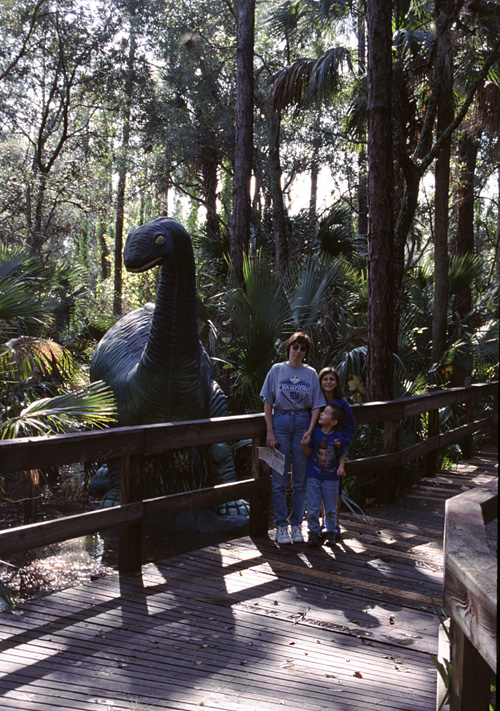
(132, 444)
(470, 597)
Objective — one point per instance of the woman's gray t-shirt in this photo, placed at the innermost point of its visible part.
(287, 388)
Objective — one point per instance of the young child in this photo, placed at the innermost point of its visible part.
(325, 465)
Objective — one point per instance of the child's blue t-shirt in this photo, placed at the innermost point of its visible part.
(323, 462)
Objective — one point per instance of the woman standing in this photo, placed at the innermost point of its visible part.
(292, 400)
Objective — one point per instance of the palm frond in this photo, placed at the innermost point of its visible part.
(333, 9)
(289, 85)
(284, 19)
(485, 350)
(353, 507)
(16, 263)
(356, 115)
(463, 271)
(353, 363)
(258, 314)
(414, 44)
(335, 232)
(325, 74)
(92, 405)
(27, 356)
(308, 80)
(308, 290)
(20, 308)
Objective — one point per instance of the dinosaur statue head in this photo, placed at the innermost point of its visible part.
(154, 243)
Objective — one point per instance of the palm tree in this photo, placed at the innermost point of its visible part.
(41, 389)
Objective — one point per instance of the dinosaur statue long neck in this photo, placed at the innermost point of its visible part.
(172, 354)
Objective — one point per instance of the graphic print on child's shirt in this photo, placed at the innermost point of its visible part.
(324, 461)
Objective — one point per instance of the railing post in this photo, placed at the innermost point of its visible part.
(130, 536)
(29, 492)
(259, 504)
(494, 437)
(467, 442)
(389, 477)
(432, 431)
(470, 675)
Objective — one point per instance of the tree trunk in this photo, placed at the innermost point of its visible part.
(380, 202)
(495, 268)
(240, 228)
(122, 172)
(463, 244)
(120, 207)
(38, 229)
(445, 114)
(404, 222)
(362, 177)
(362, 194)
(209, 177)
(313, 199)
(279, 214)
(103, 249)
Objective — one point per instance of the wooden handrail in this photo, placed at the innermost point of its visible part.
(53, 450)
(35, 535)
(470, 596)
(131, 444)
(26, 453)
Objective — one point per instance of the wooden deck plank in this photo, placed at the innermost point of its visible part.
(248, 625)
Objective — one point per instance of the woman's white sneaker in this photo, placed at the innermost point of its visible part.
(297, 536)
(282, 535)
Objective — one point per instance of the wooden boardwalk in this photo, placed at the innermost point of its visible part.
(247, 626)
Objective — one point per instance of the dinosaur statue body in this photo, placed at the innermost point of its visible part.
(155, 364)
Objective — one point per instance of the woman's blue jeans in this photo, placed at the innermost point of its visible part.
(321, 491)
(289, 428)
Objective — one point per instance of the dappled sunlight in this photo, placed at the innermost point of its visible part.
(58, 566)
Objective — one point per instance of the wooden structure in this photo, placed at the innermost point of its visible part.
(132, 444)
(470, 596)
(318, 580)
(247, 625)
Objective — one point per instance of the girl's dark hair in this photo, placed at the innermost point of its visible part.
(339, 390)
(302, 339)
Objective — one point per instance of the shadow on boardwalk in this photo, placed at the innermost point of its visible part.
(248, 625)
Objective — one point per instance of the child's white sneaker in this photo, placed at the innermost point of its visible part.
(282, 535)
(297, 536)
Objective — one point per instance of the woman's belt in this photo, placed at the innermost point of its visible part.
(287, 412)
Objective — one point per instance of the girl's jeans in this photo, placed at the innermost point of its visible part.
(289, 428)
(320, 490)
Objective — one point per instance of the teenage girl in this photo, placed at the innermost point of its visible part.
(334, 395)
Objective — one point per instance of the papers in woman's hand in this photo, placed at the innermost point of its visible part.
(275, 459)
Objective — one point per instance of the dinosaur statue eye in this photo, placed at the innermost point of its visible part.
(159, 239)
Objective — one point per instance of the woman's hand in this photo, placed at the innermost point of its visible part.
(271, 440)
(341, 471)
(306, 438)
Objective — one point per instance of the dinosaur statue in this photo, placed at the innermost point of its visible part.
(155, 364)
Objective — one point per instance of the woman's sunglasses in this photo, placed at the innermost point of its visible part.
(297, 347)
